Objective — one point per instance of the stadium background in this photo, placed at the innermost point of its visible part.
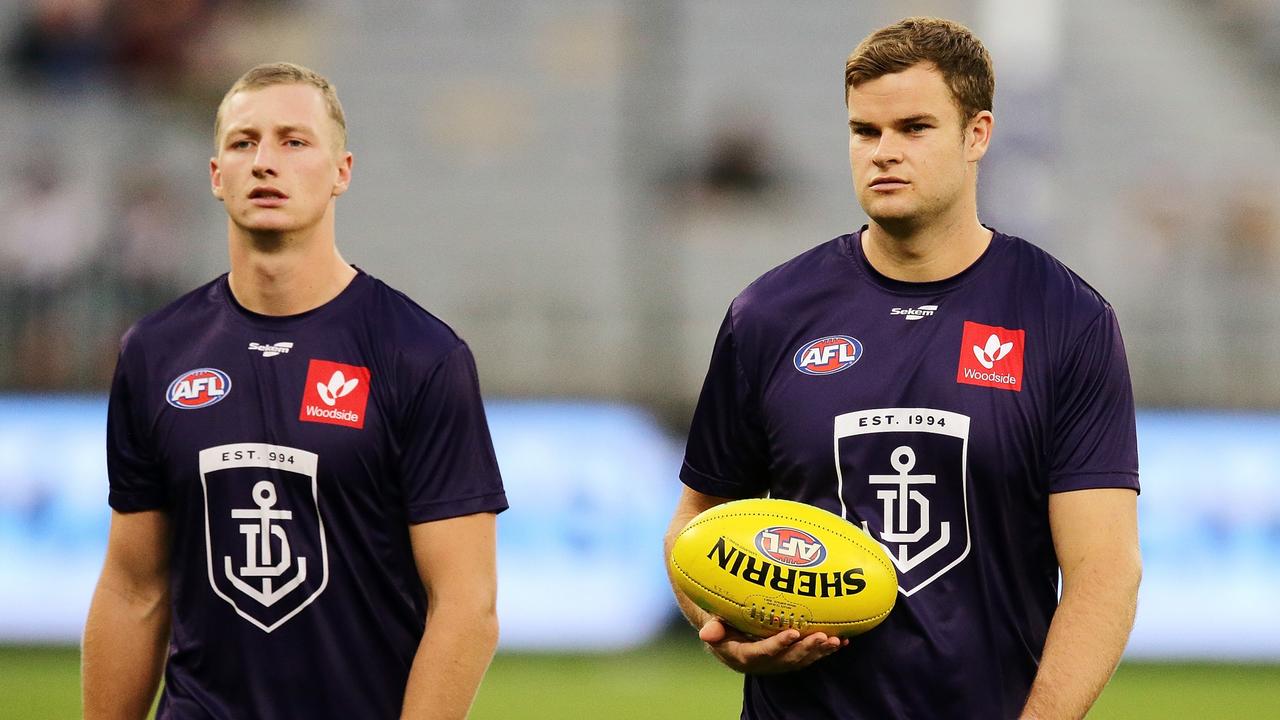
(579, 188)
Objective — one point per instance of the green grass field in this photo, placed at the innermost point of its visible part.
(674, 679)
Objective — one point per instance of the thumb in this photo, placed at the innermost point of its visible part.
(713, 631)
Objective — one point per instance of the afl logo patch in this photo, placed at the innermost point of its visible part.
(198, 388)
(790, 546)
(827, 355)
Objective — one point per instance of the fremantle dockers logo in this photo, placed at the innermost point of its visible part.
(902, 475)
(264, 537)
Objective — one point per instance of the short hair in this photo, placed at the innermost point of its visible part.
(951, 47)
(285, 73)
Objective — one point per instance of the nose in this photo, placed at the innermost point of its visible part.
(264, 162)
(888, 151)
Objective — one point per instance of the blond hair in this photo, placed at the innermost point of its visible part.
(284, 73)
(951, 47)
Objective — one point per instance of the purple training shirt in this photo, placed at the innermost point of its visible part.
(291, 454)
(939, 416)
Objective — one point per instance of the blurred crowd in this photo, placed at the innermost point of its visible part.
(75, 276)
(174, 47)
(630, 178)
(93, 233)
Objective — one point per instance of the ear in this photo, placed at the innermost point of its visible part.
(215, 178)
(977, 135)
(343, 181)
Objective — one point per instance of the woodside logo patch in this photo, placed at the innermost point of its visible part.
(991, 356)
(335, 393)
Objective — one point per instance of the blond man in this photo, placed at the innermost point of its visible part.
(302, 483)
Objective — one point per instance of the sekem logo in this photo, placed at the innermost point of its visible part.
(790, 546)
(915, 313)
(272, 350)
(827, 355)
(991, 356)
(335, 393)
(199, 388)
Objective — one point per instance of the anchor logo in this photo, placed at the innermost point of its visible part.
(902, 475)
(265, 540)
(896, 504)
(257, 548)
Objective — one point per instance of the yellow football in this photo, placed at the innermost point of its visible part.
(767, 565)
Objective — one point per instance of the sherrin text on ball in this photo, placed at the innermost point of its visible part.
(766, 565)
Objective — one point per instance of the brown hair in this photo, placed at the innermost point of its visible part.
(283, 73)
(957, 53)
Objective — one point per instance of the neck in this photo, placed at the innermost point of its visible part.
(926, 252)
(286, 274)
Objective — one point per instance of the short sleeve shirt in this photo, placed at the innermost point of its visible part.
(939, 417)
(291, 455)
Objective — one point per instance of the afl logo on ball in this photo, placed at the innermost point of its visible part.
(828, 355)
(198, 388)
(790, 546)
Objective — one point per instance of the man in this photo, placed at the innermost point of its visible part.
(301, 472)
(953, 390)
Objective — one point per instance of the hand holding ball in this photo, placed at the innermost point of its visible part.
(768, 565)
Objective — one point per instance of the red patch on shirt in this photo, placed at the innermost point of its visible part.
(335, 393)
(991, 356)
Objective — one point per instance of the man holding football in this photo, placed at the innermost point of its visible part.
(975, 417)
(302, 483)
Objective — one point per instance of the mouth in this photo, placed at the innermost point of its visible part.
(887, 183)
(266, 196)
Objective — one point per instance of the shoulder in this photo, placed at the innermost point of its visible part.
(416, 336)
(799, 282)
(1034, 272)
(176, 322)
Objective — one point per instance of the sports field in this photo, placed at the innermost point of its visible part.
(673, 679)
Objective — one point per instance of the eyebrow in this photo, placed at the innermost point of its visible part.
(909, 120)
(279, 129)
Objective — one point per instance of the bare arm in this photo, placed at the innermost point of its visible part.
(783, 652)
(1095, 533)
(127, 629)
(455, 559)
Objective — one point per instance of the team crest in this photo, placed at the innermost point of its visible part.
(902, 475)
(265, 537)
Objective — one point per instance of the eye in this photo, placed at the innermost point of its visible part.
(865, 132)
(918, 127)
(241, 144)
(294, 142)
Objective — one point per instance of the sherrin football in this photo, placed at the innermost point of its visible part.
(767, 565)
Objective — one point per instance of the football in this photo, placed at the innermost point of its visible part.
(766, 565)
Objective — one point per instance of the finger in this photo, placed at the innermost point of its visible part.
(712, 631)
(811, 648)
(772, 646)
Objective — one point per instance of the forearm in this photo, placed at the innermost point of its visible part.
(125, 637)
(1086, 639)
(451, 660)
(694, 614)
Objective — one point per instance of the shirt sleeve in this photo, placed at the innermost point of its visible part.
(1094, 441)
(133, 470)
(447, 464)
(727, 452)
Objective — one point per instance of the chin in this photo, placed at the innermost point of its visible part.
(890, 212)
(267, 223)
